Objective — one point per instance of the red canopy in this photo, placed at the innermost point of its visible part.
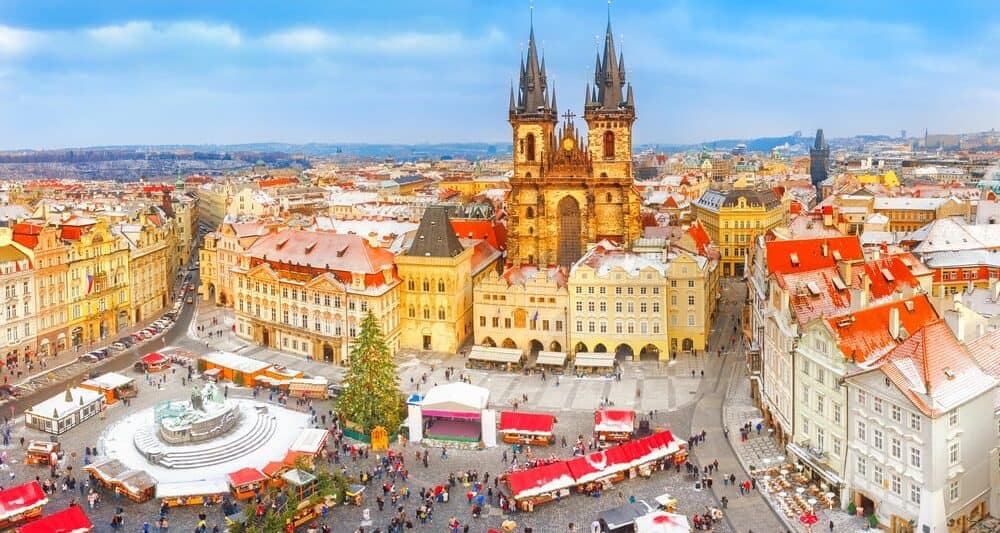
(21, 498)
(531, 423)
(153, 358)
(69, 520)
(614, 420)
(541, 479)
(245, 476)
(272, 468)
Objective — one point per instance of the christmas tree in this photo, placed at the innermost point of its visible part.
(371, 394)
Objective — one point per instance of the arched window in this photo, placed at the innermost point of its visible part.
(440, 313)
(607, 197)
(427, 313)
(440, 285)
(411, 285)
(427, 286)
(529, 212)
(413, 312)
(529, 147)
(609, 145)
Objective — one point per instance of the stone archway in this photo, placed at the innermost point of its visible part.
(600, 348)
(570, 247)
(487, 341)
(509, 343)
(624, 352)
(687, 345)
(580, 348)
(327, 352)
(649, 352)
(535, 347)
(554, 346)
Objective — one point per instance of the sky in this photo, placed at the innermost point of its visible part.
(402, 71)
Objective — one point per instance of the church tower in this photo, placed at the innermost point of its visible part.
(570, 189)
(819, 160)
(610, 112)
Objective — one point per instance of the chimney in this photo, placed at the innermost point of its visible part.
(960, 326)
(826, 249)
(894, 322)
(844, 269)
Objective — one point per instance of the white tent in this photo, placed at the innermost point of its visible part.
(662, 522)
(456, 396)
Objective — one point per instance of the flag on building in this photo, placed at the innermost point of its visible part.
(90, 283)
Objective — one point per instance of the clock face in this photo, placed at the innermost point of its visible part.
(567, 144)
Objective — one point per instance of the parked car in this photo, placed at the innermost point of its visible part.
(189, 300)
(118, 346)
(90, 357)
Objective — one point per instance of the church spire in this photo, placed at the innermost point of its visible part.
(533, 95)
(609, 74)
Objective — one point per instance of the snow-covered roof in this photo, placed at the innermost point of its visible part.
(456, 395)
(59, 406)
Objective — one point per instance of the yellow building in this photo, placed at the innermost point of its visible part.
(98, 280)
(524, 307)
(151, 245)
(889, 179)
(306, 293)
(221, 250)
(617, 304)
(50, 257)
(693, 286)
(439, 271)
(734, 219)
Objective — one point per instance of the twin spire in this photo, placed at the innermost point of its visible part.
(606, 96)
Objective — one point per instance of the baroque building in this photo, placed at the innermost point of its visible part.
(568, 190)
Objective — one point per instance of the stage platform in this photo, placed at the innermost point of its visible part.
(455, 430)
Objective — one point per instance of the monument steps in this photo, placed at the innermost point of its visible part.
(263, 429)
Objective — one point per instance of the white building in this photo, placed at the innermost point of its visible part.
(921, 433)
(17, 316)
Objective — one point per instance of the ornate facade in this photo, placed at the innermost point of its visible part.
(568, 190)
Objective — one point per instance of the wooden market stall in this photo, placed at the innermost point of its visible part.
(307, 445)
(64, 411)
(594, 363)
(242, 371)
(202, 492)
(245, 482)
(106, 471)
(70, 520)
(274, 470)
(21, 503)
(493, 358)
(41, 452)
(113, 386)
(554, 362)
(300, 482)
(138, 485)
(518, 427)
(613, 425)
(309, 387)
(541, 484)
(155, 362)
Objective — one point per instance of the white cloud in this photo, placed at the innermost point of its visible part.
(143, 33)
(302, 39)
(128, 34)
(17, 41)
(312, 39)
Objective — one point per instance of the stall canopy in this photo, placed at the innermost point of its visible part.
(662, 522)
(107, 470)
(551, 358)
(526, 423)
(540, 480)
(154, 358)
(69, 520)
(455, 399)
(109, 381)
(21, 499)
(191, 488)
(625, 515)
(311, 440)
(495, 355)
(596, 360)
(136, 481)
(614, 421)
(245, 476)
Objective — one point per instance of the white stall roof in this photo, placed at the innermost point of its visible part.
(498, 355)
(235, 362)
(309, 441)
(551, 358)
(110, 380)
(456, 395)
(59, 406)
(595, 359)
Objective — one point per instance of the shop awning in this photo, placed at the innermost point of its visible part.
(540, 480)
(107, 470)
(20, 499)
(526, 423)
(551, 358)
(154, 358)
(245, 476)
(808, 458)
(614, 421)
(69, 520)
(495, 355)
(596, 360)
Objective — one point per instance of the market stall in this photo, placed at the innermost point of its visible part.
(526, 428)
(155, 362)
(112, 385)
(64, 411)
(137, 485)
(245, 482)
(21, 503)
(41, 452)
(242, 371)
(453, 413)
(274, 471)
(613, 426)
(494, 358)
(203, 492)
(212, 375)
(70, 520)
(541, 484)
(594, 363)
(554, 362)
(622, 518)
(300, 482)
(309, 387)
(307, 445)
(106, 471)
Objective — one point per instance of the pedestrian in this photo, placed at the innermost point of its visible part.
(831, 526)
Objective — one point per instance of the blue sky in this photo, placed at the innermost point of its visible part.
(143, 72)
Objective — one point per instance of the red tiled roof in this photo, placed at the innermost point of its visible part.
(900, 274)
(321, 250)
(275, 182)
(26, 234)
(700, 236)
(986, 351)
(934, 370)
(865, 333)
(807, 305)
(810, 253)
(488, 230)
